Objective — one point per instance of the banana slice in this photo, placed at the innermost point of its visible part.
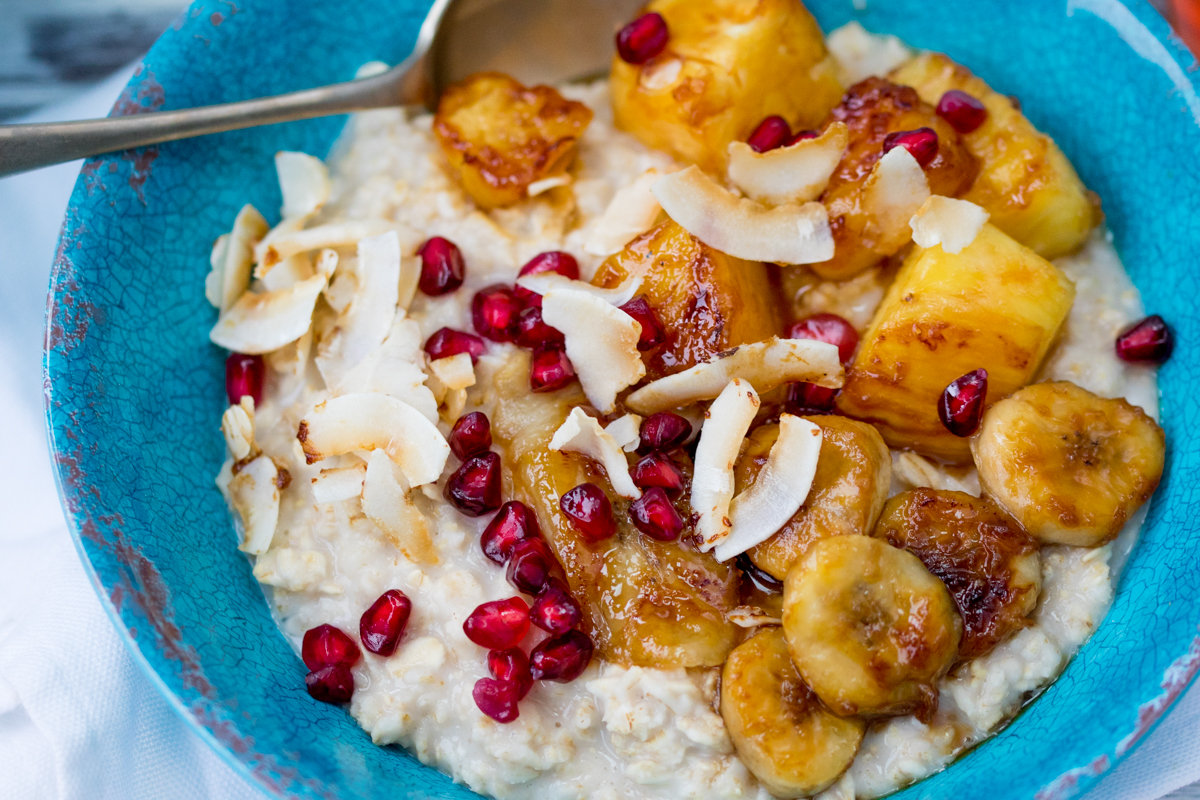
(782, 733)
(991, 566)
(1069, 466)
(869, 628)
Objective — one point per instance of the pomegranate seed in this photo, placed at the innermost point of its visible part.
(964, 112)
(922, 143)
(772, 132)
(511, 665)
(332, 684)
(498, 699)
(801, 136)
(961, 405)
(442, 267)
(325, 645)
(555, 261)
(664, 431)
(658, 470)
(654, 515)
(531, 566)
(1149, 340)
(590, 511)
(498, 625)
(494, 312)
(562, 658)
(244, 376)
(555, 610)
(652, 328)
(474, 488)
(471, 435)
(642, 39)
(446, 342)
(810, 399)
(763, 581)
(550, 369)
(533, 332)
(383, 623)
(515, 523)
(828, 328)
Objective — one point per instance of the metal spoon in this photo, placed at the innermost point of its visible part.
(533, 40)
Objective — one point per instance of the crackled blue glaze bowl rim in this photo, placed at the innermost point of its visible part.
(134, 390)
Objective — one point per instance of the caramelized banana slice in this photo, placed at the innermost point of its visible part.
(869, 628)
(782, 733)
(847, 494)
(1069, 466)
(991, 567)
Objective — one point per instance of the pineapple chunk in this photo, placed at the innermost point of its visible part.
(1026, 183)
(727, 65)
(500, 136)
(996, 305)
(708, 301)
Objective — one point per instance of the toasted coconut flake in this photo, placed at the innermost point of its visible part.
(953, 224)
(453, 405)
(892, 194)
(292, 358)
(625, 431)
(580, 433)
(304, 182)
(387, 502)
(214, 282)
(454, 372)
(410, 276)
(778, 492)
(915, 472)
(395, 368)
(601, 343)
(633, 211)
(261, 322)
(728, 421)
(751, 617)
(546, 184)
(370, 421)
(343, 483)
(290, 240)
(766, 365)
(794, 174)
(254, 494)
(237, 424)
(290, 568)
(860, 54)
(788, 234)
(232, 256)
(545, 282)
(288, 272)
(327, 263)
(365, 323)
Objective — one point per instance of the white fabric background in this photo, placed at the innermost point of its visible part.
(78, 719)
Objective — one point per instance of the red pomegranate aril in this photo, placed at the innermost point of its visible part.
(589, 510)
(446, 342)
(531, 566)
(498, 699)
(555, 609)
(471, 435)
(384, 622)
(658, 470)
(442, 267)
(654, 515)
(808, 398)
(498, 625)
(664, 431)
(562, 658)
(652, 328)
(550, 369)
(513, 524)
(533, 332)
(642, 39)
(244, 376)
(474, 488)
(332, 684)
(828, 328)
(326, 645)
(511, 665)
(964, 112)
(1150, 341)
(772, 132)
(494, 311)
(554, 261)
(961, 404)
(922, 143)
(801, 136)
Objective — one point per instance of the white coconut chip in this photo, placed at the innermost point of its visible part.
(860, 54)
(387, 502)
(304, 182)
(237, 425)
(292, 358)
(327, 263)
(779, 490)
(288, 272)
(766, 365)
(214, 281)
(787, 234)
(953, 224)
(342, 483)
(261, 322)
(751, 617)
(395, 368)
(580, 433)
(545, 282)
(625, 430)
(892, 194)
(794, 174)
(291, 240)
(725, 427)
(254, 494)
(454, 372)
(601, 342)
(632, 211)
(371, 421)
(546, 184)
(232, 259)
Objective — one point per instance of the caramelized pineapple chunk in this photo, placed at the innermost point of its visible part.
(727, 65)
(708, 301)
(871, 110)
(1025, 182)
(500, 136)
(996, 305)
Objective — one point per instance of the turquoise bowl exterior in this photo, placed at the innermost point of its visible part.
(134, 389)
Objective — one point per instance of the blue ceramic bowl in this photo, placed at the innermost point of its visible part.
(134, 389)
